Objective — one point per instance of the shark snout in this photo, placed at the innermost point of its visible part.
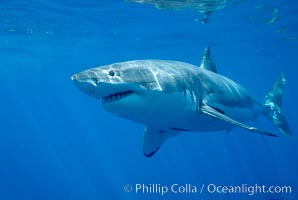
(74, 77)
(84, 83)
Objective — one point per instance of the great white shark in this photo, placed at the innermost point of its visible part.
(171, 97)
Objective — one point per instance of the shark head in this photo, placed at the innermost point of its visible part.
(123, 88)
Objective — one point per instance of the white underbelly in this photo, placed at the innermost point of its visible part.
(180, 113)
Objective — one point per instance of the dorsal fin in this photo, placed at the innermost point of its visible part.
(207, 62)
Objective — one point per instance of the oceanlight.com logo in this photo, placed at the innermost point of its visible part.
(249, 189)
(175, 188)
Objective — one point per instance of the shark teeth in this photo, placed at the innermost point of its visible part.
(116, 96)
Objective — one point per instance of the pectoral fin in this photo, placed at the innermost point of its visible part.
(214, 113)
(154, 138)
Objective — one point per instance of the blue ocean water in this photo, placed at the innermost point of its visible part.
(57, 143)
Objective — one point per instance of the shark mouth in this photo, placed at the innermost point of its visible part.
(116, 96)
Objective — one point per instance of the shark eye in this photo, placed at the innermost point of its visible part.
(111, 73)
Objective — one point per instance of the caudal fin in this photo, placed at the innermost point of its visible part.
(273, 102)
